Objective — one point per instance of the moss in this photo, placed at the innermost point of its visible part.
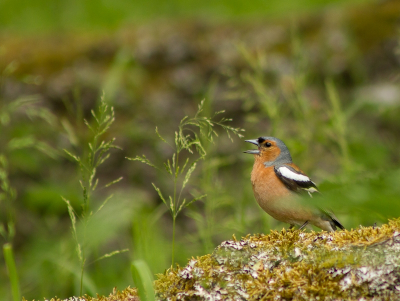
(128, 294)
(361, 264)
(293, 265)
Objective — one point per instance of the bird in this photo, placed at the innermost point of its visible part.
(278, 183)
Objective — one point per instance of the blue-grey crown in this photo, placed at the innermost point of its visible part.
(284, 156)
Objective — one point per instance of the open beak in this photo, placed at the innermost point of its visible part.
(252, 151)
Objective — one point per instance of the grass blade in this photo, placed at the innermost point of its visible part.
(143, 279)
(12, 271)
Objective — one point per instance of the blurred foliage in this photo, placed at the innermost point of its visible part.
(326, 83)
(190, 139)
(96, 153)
(39, 15)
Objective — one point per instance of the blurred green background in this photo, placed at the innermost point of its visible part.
(321, 75)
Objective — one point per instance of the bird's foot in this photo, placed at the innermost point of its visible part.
(303, 225)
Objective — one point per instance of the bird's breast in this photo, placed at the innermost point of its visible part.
(267, 187)
(274, 197)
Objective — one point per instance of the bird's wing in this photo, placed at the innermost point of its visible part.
(295, 180)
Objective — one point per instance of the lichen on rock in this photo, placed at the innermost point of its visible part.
(361, 264)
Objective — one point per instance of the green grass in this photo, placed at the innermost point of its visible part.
(60, 16)
(189, 142)
(12, 271)
(92, 157)
(143, 279)
(306, 90)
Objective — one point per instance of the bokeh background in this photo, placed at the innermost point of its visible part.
(321, 75)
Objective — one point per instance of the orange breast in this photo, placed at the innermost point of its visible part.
(266, 185)
(274, 198)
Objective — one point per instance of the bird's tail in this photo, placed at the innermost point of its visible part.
(336, 224)
(328, 215)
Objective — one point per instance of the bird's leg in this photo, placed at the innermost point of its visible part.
(303, 225)
(291, 226)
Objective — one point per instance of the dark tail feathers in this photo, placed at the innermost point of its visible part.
(329, 216)
(335, 223)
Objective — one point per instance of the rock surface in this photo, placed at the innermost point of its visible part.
(362, 264)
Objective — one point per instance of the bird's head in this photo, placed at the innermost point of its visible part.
(270, 150)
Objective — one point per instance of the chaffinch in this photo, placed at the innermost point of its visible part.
(276, 183)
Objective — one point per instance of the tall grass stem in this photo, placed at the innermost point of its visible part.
(187, 138)
(173, 241)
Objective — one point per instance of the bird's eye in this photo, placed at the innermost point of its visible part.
(268, 144)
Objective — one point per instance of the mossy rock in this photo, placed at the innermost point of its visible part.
(361, 264)
(128, 294)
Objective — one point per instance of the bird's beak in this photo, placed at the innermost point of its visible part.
(253, 151)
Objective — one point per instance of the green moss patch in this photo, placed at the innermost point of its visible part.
(293, 265)
(361, 264)
(128, 294)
